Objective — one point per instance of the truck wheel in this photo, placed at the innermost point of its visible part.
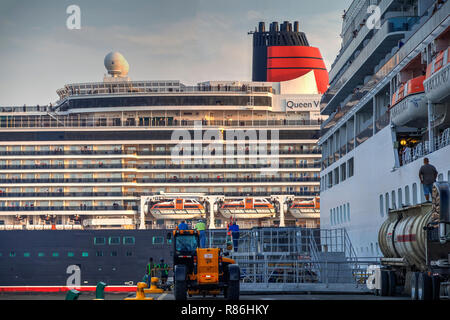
(414, 285)
(179, 291)
(424, 289)
(232, 292)
(392, 283)
(384, 292)
(436, 284)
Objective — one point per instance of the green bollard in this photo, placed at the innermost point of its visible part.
(100, 291)
(72, 294)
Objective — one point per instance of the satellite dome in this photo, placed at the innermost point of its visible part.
(116, 64)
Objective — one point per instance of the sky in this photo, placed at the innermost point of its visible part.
(187, 40)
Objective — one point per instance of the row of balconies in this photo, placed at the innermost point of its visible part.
(183, 152)
(170, 180)
(161, 167)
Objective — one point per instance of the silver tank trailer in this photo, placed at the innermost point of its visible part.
(402, 235)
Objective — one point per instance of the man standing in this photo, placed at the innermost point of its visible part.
(163, 269)
(427, 175)
(234, 228)
(201, 227)
(150, 271)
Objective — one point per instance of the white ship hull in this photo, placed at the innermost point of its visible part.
(374, 177)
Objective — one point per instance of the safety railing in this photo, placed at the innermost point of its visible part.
(423, 149)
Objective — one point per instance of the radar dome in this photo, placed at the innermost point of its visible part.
(116, 64)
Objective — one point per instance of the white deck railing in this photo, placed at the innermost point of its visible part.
(422, 149)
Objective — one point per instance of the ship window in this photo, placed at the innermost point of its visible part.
(99, 240)
(448, 176)
(414, 192)
(400, 198)
(386, 200)
(55, 254)
(348, 211)
(129, 240)
(99, 254)
(70, 254)
(381, 206)
(26, 254)
(129, 253)
(407, 196)
(41, 254)
(12, 254)
(113, 253)
(336, 176)
(351, 165)
(343, 172)
(393, 203)
(331, 217)
(158, 240)
(440, 177)
(114, 240)
(85, 254)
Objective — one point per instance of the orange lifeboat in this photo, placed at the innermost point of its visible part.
(305, 209)
(248, 208)
(437, 84)
(409, 105)
(178, 209)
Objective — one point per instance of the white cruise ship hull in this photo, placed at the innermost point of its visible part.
(374, 177)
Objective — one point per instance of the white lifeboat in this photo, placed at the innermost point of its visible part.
(437, 84)
(248, 208)
(178, 209)
(409, 104)
(305, 209)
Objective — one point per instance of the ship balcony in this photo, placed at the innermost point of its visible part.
(384, 41)
(275, 181)
(69, 195)
(132, 154)
(69, 210)
(161, 168)
(43, 121)
(151, 87)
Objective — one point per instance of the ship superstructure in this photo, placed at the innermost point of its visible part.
(388, 108)
(106, 153)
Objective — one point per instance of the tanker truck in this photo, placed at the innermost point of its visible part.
(415, 243)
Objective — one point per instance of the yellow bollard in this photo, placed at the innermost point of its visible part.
(153, 287)
(140, 295)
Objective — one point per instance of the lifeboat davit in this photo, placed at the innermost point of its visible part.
(248, 208)
(437, 84)
(178, 209)
(305, 209)
(409, 104)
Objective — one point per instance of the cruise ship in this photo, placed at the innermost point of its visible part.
(113, 164)
(388, 109)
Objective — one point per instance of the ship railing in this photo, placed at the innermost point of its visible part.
(61, 121)
(165, 167)
(423, 148)
(67, 194)
(151, 153)
(80, 208)
(16, 180)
